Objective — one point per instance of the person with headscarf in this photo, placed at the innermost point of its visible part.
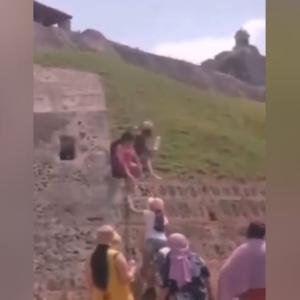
(146, 146)
(184, 275)
(108, 274)
(243, 273)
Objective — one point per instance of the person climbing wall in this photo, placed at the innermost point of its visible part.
(146, 146)
(156, 226)
(125, 166)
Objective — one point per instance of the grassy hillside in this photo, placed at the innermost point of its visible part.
(202, 133)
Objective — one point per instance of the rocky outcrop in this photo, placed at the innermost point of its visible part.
(188, 73)
(52, 37)
(57, 38)
(212, 76)
(92, 40)
(244, 62)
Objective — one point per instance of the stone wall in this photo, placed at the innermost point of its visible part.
(69, 195)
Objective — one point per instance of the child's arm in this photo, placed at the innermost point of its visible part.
(133, 208)
(167, 226)
(150, 168)
(126, 271)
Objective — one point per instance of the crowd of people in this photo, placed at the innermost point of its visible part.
(170, 269)
(180, 273)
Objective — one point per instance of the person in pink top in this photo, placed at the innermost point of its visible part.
(243, 273)
(125, 163)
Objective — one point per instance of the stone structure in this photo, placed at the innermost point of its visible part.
(242, 38)
(71, 141)
(243, 62)
(48, 16)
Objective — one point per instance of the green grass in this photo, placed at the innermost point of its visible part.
(202, 132)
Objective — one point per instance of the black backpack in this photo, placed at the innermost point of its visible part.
(159, 221)
(116, 167)
(196, 290)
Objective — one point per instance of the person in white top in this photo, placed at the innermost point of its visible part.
(156, 225)
(146, 146)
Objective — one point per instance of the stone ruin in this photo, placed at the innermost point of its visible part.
(71, 171)
(242, 38)
(71, 140)
(225, 74)
(243, 62)
(48, 16)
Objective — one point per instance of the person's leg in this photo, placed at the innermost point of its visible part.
(114, 186)
(147, 265)
(130, 188)
(152, 247)
(146, 255)
(162, 293)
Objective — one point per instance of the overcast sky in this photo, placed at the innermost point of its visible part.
(193, 30)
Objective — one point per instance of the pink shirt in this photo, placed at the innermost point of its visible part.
(126, 155)
(243, 271)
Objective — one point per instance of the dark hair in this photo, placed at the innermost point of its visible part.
(127, 136)
(256, 230)
(147, 132)
(159, 221)
(99, 267)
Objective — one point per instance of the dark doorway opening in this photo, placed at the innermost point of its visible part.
(212, 216)
(67, 148)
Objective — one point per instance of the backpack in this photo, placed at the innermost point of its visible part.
(116, 168)
(195, 290)
(159, 221)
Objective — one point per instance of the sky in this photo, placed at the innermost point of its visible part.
(192, 30)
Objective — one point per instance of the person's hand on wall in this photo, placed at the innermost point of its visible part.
(156, 176)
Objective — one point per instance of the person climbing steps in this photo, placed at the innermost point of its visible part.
(146, 146)
(125, 166)
(155, 237)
